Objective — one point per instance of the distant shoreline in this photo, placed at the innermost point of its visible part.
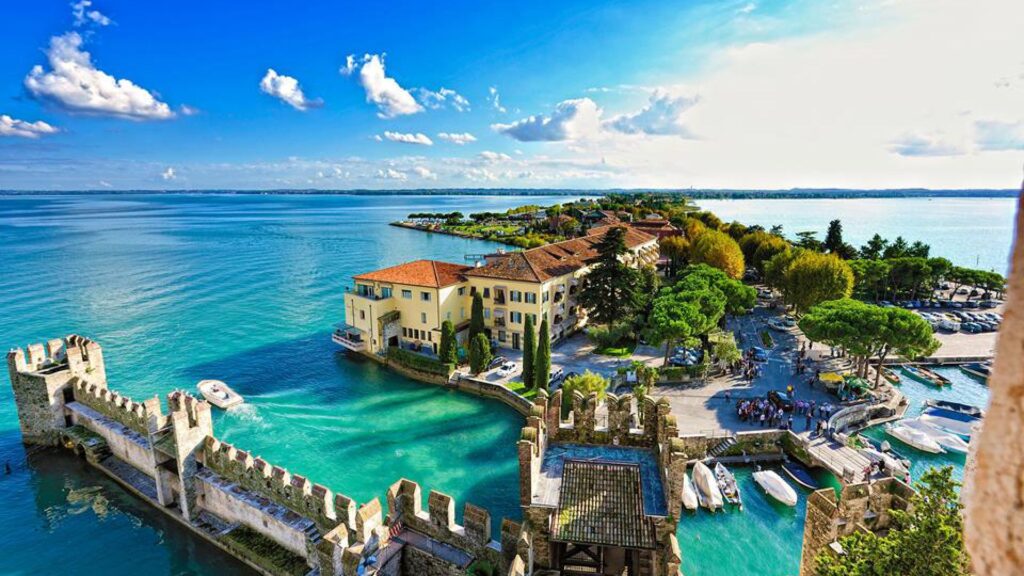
(697, 194)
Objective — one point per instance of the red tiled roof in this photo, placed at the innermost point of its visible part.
(546, 262)
(430, 273)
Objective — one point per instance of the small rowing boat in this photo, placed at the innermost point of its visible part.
(689, 494)
(915, 438)
(727, 484)
(776, 487)
(890, 375)
(922, 374)
(708, 493)
(951, 442)
(219, 394)
(965, 409)
(800, 474)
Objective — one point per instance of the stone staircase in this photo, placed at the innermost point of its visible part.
(720, 448)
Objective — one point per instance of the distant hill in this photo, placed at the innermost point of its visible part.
(696, 193)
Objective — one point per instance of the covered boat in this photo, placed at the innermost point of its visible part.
(219, 394)
(689, 494)
(950, 421)
(915, 438)
(951, 442)
(708, 493)
(922, 374)
(727, 484)
(979, 370)
(965, 409)
(800, 474)
(890, 375)
(776, 487)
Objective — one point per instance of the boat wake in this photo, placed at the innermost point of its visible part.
(247, 413)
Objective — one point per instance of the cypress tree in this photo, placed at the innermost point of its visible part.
(542, 360)
(479, 354)
(476, 318)
(449, 348)
(529, 344)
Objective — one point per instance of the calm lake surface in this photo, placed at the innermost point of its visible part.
(245, 289)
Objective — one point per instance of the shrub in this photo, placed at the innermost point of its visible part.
(609, 336)
(479, 353)
(584, 383)
(419, 362)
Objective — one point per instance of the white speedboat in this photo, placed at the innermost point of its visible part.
(708, 493)
(776, 487)
(950, 442)
(915, 438)
(219, 394)
(689, 494)
(890, 464)
(727, 484)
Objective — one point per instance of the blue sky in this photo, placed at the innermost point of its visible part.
(128, 95)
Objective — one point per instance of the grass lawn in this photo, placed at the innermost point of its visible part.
(519, 388)
(616, 351)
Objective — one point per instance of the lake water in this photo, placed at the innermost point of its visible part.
(972, 232)
(245, 289)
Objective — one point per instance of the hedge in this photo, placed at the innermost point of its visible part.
(419, 362)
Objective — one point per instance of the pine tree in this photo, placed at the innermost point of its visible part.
(449, 352)
(479, 354)
(476, 318)
(529, 349)
(542, 360)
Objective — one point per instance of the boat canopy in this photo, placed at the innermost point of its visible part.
(832, 377)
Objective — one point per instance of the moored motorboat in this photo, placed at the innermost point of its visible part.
(922, 374)
(951, 442)
(979, 370)
(775, 486)
(727, 484)
(800, 474)
(708, 493)
(689, 494)
(965, 409)
(890, 375)
(950, 421)
(219, 394)
(914, 438)
(891, 465)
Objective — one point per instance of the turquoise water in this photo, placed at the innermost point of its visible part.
(245, 289)
(973, 232)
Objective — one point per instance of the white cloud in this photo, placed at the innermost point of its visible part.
(443, 97)
(391, 174)
(76, 85)
(286, 89)
(571, 120)
(14, 127)
(187, 110)
(425, 173)
(460, 139)
(495, 99)
(417, 138)
(919, 144)
(995, 135)
(747, 8)
(662, 116)
(490, 156)
(479, 175)
(82, 15)
(390, 98)
(168, 174)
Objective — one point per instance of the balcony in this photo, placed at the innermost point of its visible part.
(499, 298)
(349, 337)
(365, 294)
(499, 321)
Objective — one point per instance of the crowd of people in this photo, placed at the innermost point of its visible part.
(771, 414)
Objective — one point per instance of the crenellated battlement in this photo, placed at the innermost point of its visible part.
(649, 425)
(191, 411)
(277, 484)
(120, 408)
(76, 354)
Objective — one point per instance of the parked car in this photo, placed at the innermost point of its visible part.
(557, 375)
(971, 304)
(971, 327)
(776, 324)
(989, 303)
(950, 325)
(760, 354)
(780, 400)
(496, 361)
(507, 369)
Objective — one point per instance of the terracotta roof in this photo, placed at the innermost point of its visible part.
(653, 225)
(602, 503)
(430, 273)
(553, 260)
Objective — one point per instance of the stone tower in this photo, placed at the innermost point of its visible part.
(191, 424)
(43, 380)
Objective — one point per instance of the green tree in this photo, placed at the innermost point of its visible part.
(676, 249)
(479, 353)
(719, 250)
(871, 278)
(834, 237)
(584, 384)
(808, 240)
(449, 350)
(898, 249)
(924, 540)
(610, 291)
(529, 349)
(813, 277)
(542, 360)
(476, 317)
(739, 298)
(874, 248)
(686, 310)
